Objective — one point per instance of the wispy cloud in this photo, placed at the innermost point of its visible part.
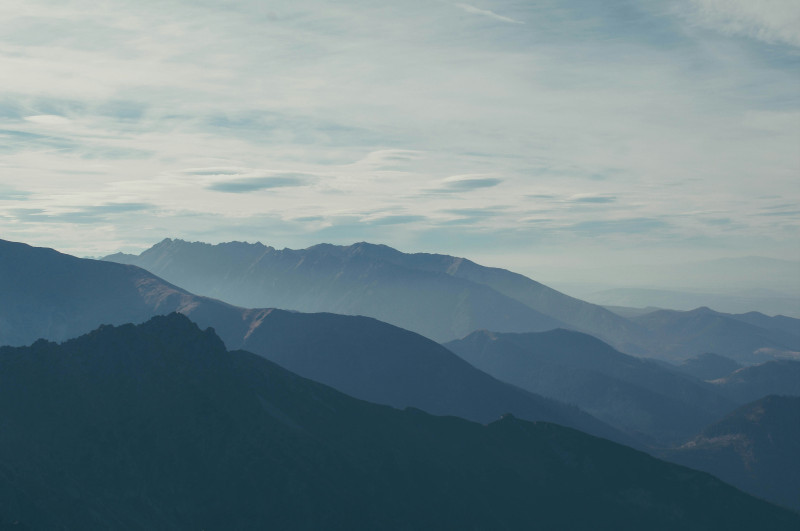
(48, 119)
(254, 184)
(466, 183)
(486, 13)
(618, 226)
(593, 199)
(395, 219)
(772, 21)
(86, 214)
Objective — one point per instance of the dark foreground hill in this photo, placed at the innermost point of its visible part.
(157, 426)
(755, 448)
(56, 296)
(635, 395)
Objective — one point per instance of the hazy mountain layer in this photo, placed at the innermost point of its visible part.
(764, 300)
(441, 297)
(346, 280)
(63, 297)
(676, 334)
(709, 366)
(755, 448)
(780, 377)
(158, 427)
(635, 395)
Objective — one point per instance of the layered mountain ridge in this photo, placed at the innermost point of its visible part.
(64, 297)
(445, 297)
(638, 395)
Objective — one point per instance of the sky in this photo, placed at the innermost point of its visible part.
(540, 136)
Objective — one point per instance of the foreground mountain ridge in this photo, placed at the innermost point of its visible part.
(158, 426)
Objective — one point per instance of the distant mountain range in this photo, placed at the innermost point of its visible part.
(765, 301)
(57, 297)
(636, 395)
(441, 297)
(755, 448)
(157, 426)
(674, 333)
(438, 296)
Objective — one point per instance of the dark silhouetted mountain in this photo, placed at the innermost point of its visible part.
(353, 280)
(56, 296)
(680, 335)
(708, 366)
(779, 377)
(157, 426)
(635, 395)
(755, 448)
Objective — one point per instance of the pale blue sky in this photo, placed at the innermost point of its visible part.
(523, 134)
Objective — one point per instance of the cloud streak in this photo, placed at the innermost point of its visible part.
(255, 184)
(486, 13)
(771, 21)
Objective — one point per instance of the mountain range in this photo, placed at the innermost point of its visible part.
(636, 395)
(701, 330)
(442, 297)
(158, 426)
(56, 297)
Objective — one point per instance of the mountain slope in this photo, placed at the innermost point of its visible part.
(790, 325)
(346, 280)
(442, 297)
(754, 448)
(708, 366)
(382, 363)
(580, 315)
(780, 377)
(158, 427)
(366, 358)
(679, 335)
(635, 395)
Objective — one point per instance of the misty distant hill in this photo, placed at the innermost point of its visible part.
(56, 297)
(755, 448)
(353, 280)
(765, 301)
(709, 366)
(441, 297)
(779, 377)
(157, 426)
(638, 396)
(675, 334)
